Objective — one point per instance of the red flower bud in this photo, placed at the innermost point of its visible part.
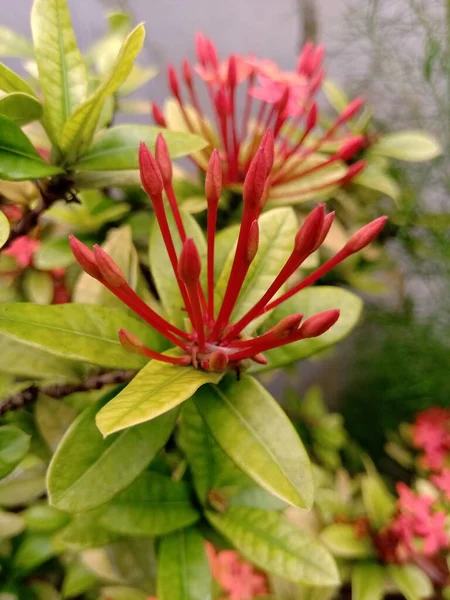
(213, 180)
(218, 361)
(222, 107)
(268, 144)
(212, 53)
(309, 233)
(347, 150)
(151, 178)
(187, 72)
(311, 119)
(84, 257)
(327, 222)
(130, 342)
(351, 109)
(365, 235)
(260, 359)
(189, 265)
(286, 327)
(232, 72)
(200, 47)
(173, 82)
(163, 158)
(255, 180)
(109, 270)
(317, 57)
(158, 115)
(303, 62)
(354, 170)
(318, 324)
(252, 241)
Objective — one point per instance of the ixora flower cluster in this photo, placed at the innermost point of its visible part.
(284, 101)
(212, 342)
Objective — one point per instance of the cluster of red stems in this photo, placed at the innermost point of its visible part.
(283, 101)
(212, 341)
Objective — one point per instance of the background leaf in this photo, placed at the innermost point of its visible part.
(21, 108)
(38, 286)
(407, 145)
(53, 418)
(411, 581)
(11, 82)
(14, 444)
(14, 44)
(343, 541)
(4, 229)
(368, 581)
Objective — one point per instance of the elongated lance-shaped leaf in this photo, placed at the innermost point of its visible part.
(62, 72)
(79, 130)
(14, 44)
(253, 430)
(11, 82)
(274, 544)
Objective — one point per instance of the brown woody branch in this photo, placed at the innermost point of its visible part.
(94, 382)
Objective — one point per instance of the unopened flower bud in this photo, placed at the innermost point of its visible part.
(213, 180)
(130, 342)
(212, 54)
(84, 257)
(327, 223)
(189, 265)
(163, 159)
(222, 106)
(260, 359)
(187, 72)
(350, 148)
(354, 170)
(232, 72)
(304, 59)
(173, 82)
(318, 324)
(200, 47)
(351, 109)
(268, 144)
(218, 361)
(255, 180)
(151, 177)
(158, 115)
(252, 241)
(365, 235)
(311, 119)
(109, 270)
(286, 327)
(309, 233)
(317, 58)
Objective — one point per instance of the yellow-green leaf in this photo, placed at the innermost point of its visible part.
(38, 286)
(14, 444)
(368, 581)
(343, 541)
(4, 229)
(156, 389)
(11, 524)
(415, 146)
(21, 108)
(411, 581)
(11, 82)
(14, 44)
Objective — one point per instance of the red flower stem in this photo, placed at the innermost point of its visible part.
(297, 174)
(248, 108)
(264, 346)
(255, 141)
(211, 234)
(317, 188)
(312, 278)
(168, 187)
(235, 141)
(195, 102)
(173, 360)
(198, 324)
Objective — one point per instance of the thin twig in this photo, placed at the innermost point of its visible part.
(94, 382)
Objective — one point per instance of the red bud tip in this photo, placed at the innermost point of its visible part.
(184, 361)
(163, 158)
(255, 180)
(189, 265)
(317, 57)
(282, 102)
(173, 82)
(151, 177)
(260, 359)
(84, 257)
(365, 235)
(351, 147)
(354, 170)
(218, 361)
(287, 326)
(222, 107)
(252, 241)
(158, 115)
(309, 233)
(304, 58)
(319, 324)
(187, 72)
(327, 223)
(212, 54)
(109, 270)
(200, 47)
(268, 144)
(130, 342)
(232, 72)
(213, 180)
(351, 109)
(316, 81)
(311, 119)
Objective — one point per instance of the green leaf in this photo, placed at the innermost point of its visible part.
(11, 82)
(14, 444)
(156, 389)
(368, 581)
(32, 552)
(152, 505)
(21, 108)
(53, 253)
(121, 592)
(274, 544)
(84, 531)
(277, 230)
(18, 158)
(79, 130)
(411, 581)
(13, 44)
(375, 178)
(253, 430)
(87, 470)
(53, 418)
(77, 581)
(76, 331)
(42, 518)
(23, 485)
(117, 148)
(10, 524)
(38, 286)
(309, 302)
(184, 572)
(62, 72)
(44, 591)
(415, 146)
(343, 541)
(378, 502)
(161, 267)
(4, 229)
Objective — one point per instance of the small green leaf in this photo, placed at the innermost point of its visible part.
(76, 331)
(4, 229)
(117, 148)
(32, 552)
(343, 541)
(87, 470)
(411, 581)
(151, 505)
(42, 518)
(37, 286)
(368, 581)
(309, 302)
(14, 444)
(161, 267)
(277, 230)
(121, 592)
(375, 178)
(184, 572)
(276, 545)
(378, 502)
(21, 108)
(156, 389)
(53, 418)
(62, 72)
(18, 158)
(415, 146)
(10, 524)
(80, 128)
(77, 580)
(11, 82)
(14, 44)
(254, 432)
(44, 591)
(22, 486)
(53, 253)
(84, 531)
